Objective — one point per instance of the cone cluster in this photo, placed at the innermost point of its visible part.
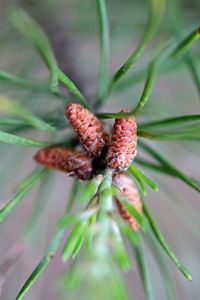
(118, 154)
(93, 138)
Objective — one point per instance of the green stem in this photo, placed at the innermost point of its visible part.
(193, 65)
(23, 82)
(45, 261)
(152, 73)
(190, 59)
(73, 89)
(163, 243)
(186, 44)
(139, 180)
(153, 166)
(182, 120)
(32, 31)
(105, 48)
(105, 193)
(153, 70)
(141, 259)
(152, 25)
(9, 138)
(169, 166)
(25, 187)
(41, 267)
(136, 172)
(167, 278)
(168, 136)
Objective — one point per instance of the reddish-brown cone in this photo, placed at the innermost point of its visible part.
(128, 189)
(72, 162)
(122, 148)
(90, 130)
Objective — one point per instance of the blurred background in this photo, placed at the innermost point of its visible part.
(72, 28)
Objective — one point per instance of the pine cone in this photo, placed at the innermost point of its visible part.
(122, 148)
(72, 162)
(90, 130)
(128, 189)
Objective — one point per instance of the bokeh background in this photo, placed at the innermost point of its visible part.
(73, 30)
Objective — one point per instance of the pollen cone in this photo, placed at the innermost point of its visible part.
(128, 189)
(123, 145)
(89, 129)
(72, 162)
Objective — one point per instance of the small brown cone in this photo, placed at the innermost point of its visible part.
(128, 189)
(123, 145)
(72, 162)
(90, 130)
